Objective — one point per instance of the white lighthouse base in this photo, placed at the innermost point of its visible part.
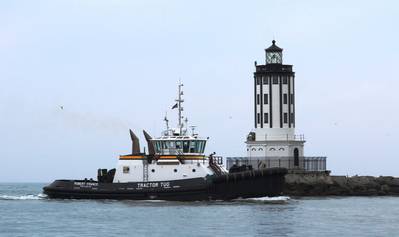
(288, 153)
(275, 148)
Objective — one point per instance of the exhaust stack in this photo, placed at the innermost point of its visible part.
(135, 143)
(151, 149)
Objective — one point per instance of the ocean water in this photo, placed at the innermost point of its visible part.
(24, 211)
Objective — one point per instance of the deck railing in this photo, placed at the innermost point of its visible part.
(305, 163)
(280, 137)
(286, 137)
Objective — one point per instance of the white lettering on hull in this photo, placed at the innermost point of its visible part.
(85, 184)
(154, 185)
(140, 186)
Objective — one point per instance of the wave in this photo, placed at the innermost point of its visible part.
(23, 197)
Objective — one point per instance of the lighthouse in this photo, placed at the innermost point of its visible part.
(273, 139)
(273, 142)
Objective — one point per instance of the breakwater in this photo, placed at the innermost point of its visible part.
(301, 183)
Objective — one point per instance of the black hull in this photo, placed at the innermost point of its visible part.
(248, 184)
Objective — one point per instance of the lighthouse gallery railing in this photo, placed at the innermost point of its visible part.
(305, 163)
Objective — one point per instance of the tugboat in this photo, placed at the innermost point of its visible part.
(175, 169)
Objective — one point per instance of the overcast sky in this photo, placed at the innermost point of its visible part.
(115, 65)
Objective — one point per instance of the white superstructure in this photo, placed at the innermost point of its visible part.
(176, 155)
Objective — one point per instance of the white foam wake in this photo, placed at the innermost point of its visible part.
(23, 197)
(272, 200)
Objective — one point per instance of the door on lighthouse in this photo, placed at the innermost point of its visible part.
(296, 157)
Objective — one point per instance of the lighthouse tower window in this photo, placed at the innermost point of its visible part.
(285, 98)
(258, 117)
(257, 98)
(285, 117)
(275, 80)
(266, 99)
(285, 80)
(265, 81)
(266, 117)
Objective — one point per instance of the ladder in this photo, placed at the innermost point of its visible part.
(214, 162)
(145, 170)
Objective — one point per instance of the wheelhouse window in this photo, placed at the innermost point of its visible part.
(178, 147)
(197, 146)
(186, 146)
(158, 147)
(192, 147)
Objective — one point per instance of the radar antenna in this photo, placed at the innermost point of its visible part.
(166, 121)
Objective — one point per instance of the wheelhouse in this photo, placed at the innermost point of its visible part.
(179, 145)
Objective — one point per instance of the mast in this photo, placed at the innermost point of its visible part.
(179, 101)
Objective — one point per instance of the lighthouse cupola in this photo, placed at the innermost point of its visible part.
(274, 54)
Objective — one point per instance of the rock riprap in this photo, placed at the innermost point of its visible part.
(323, 184)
